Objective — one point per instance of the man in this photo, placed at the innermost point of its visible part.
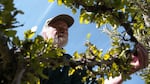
(57, 29)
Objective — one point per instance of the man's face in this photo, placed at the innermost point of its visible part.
(60, 33)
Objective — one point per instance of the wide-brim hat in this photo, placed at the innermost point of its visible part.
(64, 17)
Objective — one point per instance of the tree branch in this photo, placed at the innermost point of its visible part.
(18, 76)
(4, 50)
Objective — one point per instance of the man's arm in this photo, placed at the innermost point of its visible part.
(116, 80)
(139, 61)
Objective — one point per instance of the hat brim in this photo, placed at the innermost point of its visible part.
(63, 17)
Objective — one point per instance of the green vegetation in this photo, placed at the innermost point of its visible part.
(22, 61)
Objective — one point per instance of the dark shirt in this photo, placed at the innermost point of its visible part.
(60, 75)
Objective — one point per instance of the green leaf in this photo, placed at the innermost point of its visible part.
(29, 34)
(71, 71)
(106, 56)
(51, 0)
(1, 21)
(86, 21)
(81, 19)
(123, 10)
(141, 26)
(100, 80)
(10, 33)
(59, 2)
(76, 55)
(16, 40)
(115, 66)
(88, 36)
(74, 11)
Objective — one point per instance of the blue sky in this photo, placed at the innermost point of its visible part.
(37, 11)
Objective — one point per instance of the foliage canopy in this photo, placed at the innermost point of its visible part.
(27, 58)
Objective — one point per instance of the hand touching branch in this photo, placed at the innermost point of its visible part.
(139, 61)
(140, 58)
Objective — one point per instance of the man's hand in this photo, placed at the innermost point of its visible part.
(139, 59)
(116, 80)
